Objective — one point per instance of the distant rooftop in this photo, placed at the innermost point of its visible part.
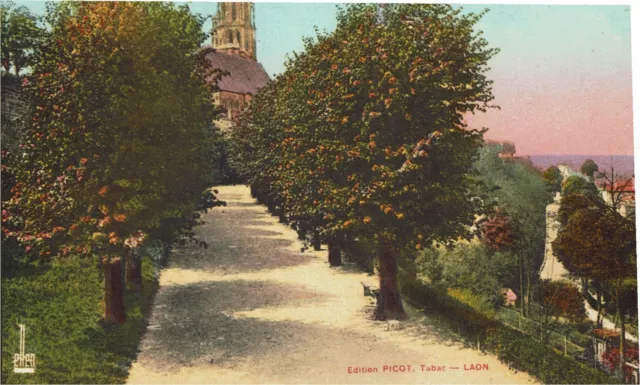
(247, 76)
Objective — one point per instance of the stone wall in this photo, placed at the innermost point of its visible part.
(14, 108)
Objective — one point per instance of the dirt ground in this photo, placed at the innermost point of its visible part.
(253, 308)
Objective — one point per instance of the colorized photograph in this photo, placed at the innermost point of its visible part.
(317, 193)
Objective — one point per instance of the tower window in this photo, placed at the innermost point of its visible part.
(229, 36)
(234, 12)
(239, 38)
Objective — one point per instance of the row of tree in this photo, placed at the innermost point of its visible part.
(362, 137)
(118, 143)
(597, 241)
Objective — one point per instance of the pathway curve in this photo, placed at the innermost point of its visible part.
(252, 308)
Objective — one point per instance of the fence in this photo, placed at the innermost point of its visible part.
(562, 342)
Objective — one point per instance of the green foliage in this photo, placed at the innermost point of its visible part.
(597, 244)
(485, 306)
(470, 266)
(553, 178)
(508, 148)
(574, 202)
(550, 367)
(578, 185)
(363, 135)
(522, 196)
(21, 37)
(589, 168)
(61, 308)
(121, 140)
(521, 351)
(366, 123)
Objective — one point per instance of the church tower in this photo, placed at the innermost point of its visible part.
(234, 29)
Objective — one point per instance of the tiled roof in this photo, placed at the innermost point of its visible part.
(246, 75)
(622, 185)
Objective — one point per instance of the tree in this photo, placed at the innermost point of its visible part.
(120, 143)
(589, 168)
(498, 233)
(579, 185)
(599, 244)
(506, 184)
(508, 148)
(363, 134)
(21, 37)
(553, 178)
(562, 299)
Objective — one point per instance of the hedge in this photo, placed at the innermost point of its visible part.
(520, 351)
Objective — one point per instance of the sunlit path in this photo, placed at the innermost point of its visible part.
(252, 308)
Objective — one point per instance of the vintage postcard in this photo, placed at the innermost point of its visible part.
(327, 193)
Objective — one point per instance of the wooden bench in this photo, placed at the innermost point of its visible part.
(371, 291)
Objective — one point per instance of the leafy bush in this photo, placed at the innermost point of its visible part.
(521, 351)
(470, 266)
(562, 298)
(611, 359)
(530, 355)
(477, 302)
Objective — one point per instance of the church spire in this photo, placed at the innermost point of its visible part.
(234, 29)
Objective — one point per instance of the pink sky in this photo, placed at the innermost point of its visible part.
(562, 114)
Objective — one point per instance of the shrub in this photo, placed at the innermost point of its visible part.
(562, 298)
(519, 350)
(470, 265)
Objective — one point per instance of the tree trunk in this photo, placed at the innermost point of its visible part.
(282, 218)
(599, 298)
(113, 292)
(133, 271)
(335, 259)
(316, 242)
(585, 286)
(622, 331)
(302, 235)
(528, 296)
(521, 287)
(253, 191)
(390, 303)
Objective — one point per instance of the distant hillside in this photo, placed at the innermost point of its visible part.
(623, 164)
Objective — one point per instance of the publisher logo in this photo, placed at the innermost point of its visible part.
(23, 363)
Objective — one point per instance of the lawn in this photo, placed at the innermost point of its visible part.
(61, 306)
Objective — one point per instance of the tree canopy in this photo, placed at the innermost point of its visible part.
(579, 185)
(589, 168)
(120, 140)
(553, 178)
(363, 132)
(21, 37)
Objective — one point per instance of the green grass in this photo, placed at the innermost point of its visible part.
(61, 308)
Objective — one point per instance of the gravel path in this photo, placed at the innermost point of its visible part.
(253, 309)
